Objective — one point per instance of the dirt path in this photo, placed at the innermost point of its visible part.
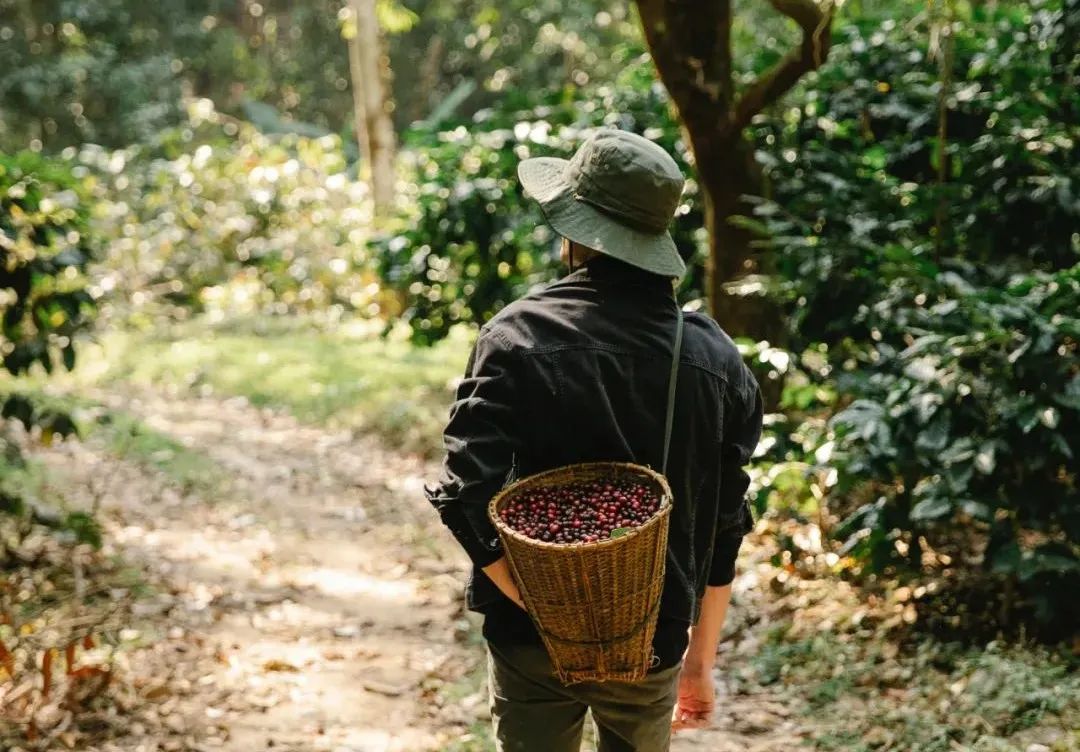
(312, 603)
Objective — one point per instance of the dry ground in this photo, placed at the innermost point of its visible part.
(304, 597)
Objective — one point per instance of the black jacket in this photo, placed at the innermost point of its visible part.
(578, 372)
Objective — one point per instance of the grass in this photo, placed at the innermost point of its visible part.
(476, 739)
(120, 432)
(334, 377)
(863, 694)
(129, 438)
(21, 478)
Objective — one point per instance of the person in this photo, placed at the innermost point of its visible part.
(578, 372)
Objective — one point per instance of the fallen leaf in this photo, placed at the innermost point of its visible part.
(276, 664)
(384, 688)
(46, 673)
(156, 691)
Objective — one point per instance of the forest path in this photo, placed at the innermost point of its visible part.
(309, 599)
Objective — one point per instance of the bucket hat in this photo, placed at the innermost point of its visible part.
(616, 195)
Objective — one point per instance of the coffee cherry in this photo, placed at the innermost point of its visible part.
(581, 513)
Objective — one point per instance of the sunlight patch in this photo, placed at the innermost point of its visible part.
(337, 582)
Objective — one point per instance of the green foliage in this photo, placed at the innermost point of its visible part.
(115, 72)
(942, 304)
(473, 245)
(334, 375)
(50, 421)
(470, 242)
(239, 223)
(857, 200)
(977, 422)
(925, 696)
(44, 250)
(494, 51)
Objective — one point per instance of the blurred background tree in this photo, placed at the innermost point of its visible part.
(372, 105)
(45, 247)
(115, 72)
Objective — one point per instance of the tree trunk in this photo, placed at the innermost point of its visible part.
(429, 77)
(374, 128)
(691, 46)
(356, 74)
(728, 174)
(726, 178)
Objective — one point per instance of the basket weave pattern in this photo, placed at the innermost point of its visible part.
(594, 604)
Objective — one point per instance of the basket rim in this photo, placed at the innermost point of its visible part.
(504, 529)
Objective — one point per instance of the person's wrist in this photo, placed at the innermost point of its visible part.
(697, 665)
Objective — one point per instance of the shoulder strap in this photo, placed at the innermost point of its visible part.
(672, 379)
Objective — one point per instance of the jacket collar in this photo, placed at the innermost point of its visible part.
(604, 269)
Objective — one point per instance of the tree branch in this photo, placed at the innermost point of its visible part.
(658, 37)
(683, 54)
(690, 43)
(815, 21)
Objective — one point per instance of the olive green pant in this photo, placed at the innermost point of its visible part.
(533, 712)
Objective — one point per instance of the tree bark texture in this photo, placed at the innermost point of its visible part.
(690, 43)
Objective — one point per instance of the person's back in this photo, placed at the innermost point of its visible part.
(578, 372)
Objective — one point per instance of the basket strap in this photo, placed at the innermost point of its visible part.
(672, 380)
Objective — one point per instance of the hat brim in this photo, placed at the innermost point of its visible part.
(544, 179)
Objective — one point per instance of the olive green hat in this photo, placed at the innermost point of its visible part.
(616, 195)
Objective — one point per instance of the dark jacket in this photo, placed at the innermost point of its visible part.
(578, 372)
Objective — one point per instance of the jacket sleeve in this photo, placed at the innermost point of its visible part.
(480, 440)
(742, 430)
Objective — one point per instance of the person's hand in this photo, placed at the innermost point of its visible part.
(499, 573)
(697, 699)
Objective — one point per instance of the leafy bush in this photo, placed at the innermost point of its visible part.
(114, 73)
(939, 304)
(220, 217)
(975, 425)
(44, 251)
(470, 242)
(858, 200)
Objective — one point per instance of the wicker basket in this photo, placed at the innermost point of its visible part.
(594, 604)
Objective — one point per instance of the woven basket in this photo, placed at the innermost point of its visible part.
(594, 604)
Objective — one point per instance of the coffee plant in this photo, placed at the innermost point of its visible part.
(44, 305)
(44, 252)
(973, 428)
(470, 242)
(931, 286)
(214, 217)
